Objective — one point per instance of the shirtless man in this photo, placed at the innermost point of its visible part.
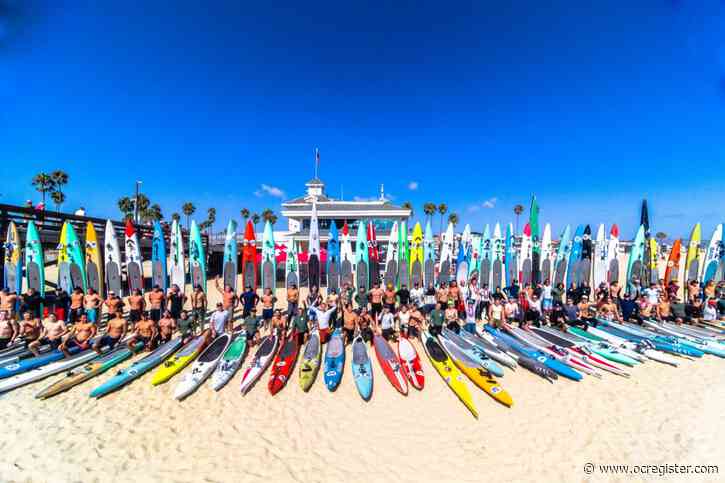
(389, 298)
(137, 306)
(664, 310)
(113, 304)
(198, 307)
(76, 305)
(451, 316)
(454, 293)
(167, 327)
(365, 323)
(30, 327)
(229, 298)
(80, 335)
(442, 295)
(376, 300)
(349, 323)
(7, 302)
(268, 300)
(156, 303)
(145, 331)
(52, 333)
(115, 332)
(92, 305)
(293, 300)
(8, 330)
(277, 322)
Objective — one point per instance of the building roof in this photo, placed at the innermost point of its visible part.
(302, 205)
(314, 181)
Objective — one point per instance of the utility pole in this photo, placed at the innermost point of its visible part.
(135, 202)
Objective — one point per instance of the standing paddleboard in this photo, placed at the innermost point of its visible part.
(692, 260)
(585, 264)
(346, 257)
(391, 257)
(499, 252)
(197, 258)
(461, 263)
(249, 257)
(361, 258)
(613, 255)
(403, 255)
(525, 260)
(64, 279)
(512, 272)
(416, 255)
(94, 267)
(269, 262)
(112, 256)
(177, 269)
(646, 254)
(535, 241)
(600, 257)
(672, 272)
(572, 272)
(313, 259)
(333, 259)
(545, 271)
(444, 266)
(77, 260)
(485, 258)
(634, 265)
(13, 265)
(713, 255)
(134, 264)
(34, 260)
(158, 258)
(292, 266)
(373, 254)
(229, 268)
(562, 256)
(429, 256)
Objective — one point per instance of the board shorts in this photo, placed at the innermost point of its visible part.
(147, 342)
(454, 326)
(155, 314)
(54, 344)
(350, 333)
(435, 330)
(546, 304)
(301, 338)
(470, 327)
(75, 314)
(165, 338)
(388, 333)
(367, 334)
(412, 331)
(108, 341)
(497, 323)
(251, 334)
(267, 314)
(375, 309)
(4, 342)
(73, 342)
(92, 315)
(324, 335)
(134, 315)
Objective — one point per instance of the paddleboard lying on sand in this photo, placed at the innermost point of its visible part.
(174, 364)
(283, 364)
(448, 371)
(310, 363)
(231, 361)
(472, 352)
(262, 359)
(390, 364)
(202, 367)
(362, 369)
(410, 362)
(334, 360)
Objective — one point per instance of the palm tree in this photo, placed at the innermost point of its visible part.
(267, 214)
(188, 209)
(255, 220)
(429, 209)
(126, 206)
(273, 219)
(408, 206)
(661, 236)
(442, 210)
(453, 218)
(44, 183)
(60, 178)
(175, 216)
(210, 217)
(245, 215)
(152, 213)
(518, 209)
(58, 198)
(142, 202)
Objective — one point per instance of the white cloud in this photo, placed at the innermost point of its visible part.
(266, 189)
(473, 208)
(413, 185)
(489, 203)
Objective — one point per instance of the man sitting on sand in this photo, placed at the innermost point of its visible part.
(80, 335)
(8, 330)
(251, 325)
(52, 334)
(144, 331)
(185, 325)
(386, 322)
(219, 320)
(167, 327)
(115, 332)
(30, 327)
(451, 316)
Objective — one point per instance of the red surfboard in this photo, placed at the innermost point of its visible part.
(373, 254)
(283, 364)
(390, 364)
(673, 263)
(411, 363)
(249, 257)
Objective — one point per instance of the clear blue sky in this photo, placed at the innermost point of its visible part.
(590, 105)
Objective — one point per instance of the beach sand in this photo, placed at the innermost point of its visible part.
(662, 415)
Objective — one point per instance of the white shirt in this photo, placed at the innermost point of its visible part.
(546, 292)
(709, 312)
(404, 318)
(323, 318)
(387, 321)
(416, 295)
(218, 320)
(652, 295)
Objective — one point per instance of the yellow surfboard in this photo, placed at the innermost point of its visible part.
(653, 257)
(94, 261)
(174, 364)
(692, 262)
(415, 266)
(448, 371)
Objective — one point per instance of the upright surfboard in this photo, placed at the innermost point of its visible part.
(672, 271)
(197, 258)
(644, 221)
(373, 253)
(313, 258)
(485, 258)
(292, 266)
(429, 256)
(654, 273)
(158, 258)
(177, 269)
(333, 259)
(444, 264)
(613, 255)
(13, 261)
(34, 260)
(112, 257)
(94, 265)
(585, 263)
(572, 272)
(249, 257)
(403, 255)
(562, 256)
(535, 241)
(347, 259)
(600, 257)
(467, 239)
(634, 264)
(512, 272)
(525, 260)
(711, 264)
(416, 255)
(545, 271)
(361, 258)
(692, 260)
(77, 260)
(134, 263)
(499, 254)
(269, 262)
(391, 257)
(229, 268)
(461, 263)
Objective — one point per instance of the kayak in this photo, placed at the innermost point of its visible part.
(390, 364)
(448, 371)
(362, 368)
(310, 361)
(174, 364)
(473, 352)
(89, 370)
(230, 362)
(138, 368)
(334, 360)
(411, 363)
(202, 367)
(262, 358)
(473, 370)
(284, 364)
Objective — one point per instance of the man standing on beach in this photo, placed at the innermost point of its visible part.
(250, 299)
(376, 300)
(229, 298)
(175, 301)
(7, 302)
(268, 300)
(76, 305)
(349, 323)
(137, 306)
(198, 307)
(92, 305)
(156, 303)
(293, 300)
(31, 301)
(114, 304)
(298, 322)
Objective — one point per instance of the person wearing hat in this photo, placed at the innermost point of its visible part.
(709, 312)
(451, 316)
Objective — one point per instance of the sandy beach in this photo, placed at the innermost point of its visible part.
(661, 415)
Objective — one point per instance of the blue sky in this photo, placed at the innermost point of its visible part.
(590, 105)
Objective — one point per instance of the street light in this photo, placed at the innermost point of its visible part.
(135, 202)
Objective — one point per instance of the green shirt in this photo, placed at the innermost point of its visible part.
(361, 299)
(299, 322)
(251, 324)
(184, 325)
(436, 317)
